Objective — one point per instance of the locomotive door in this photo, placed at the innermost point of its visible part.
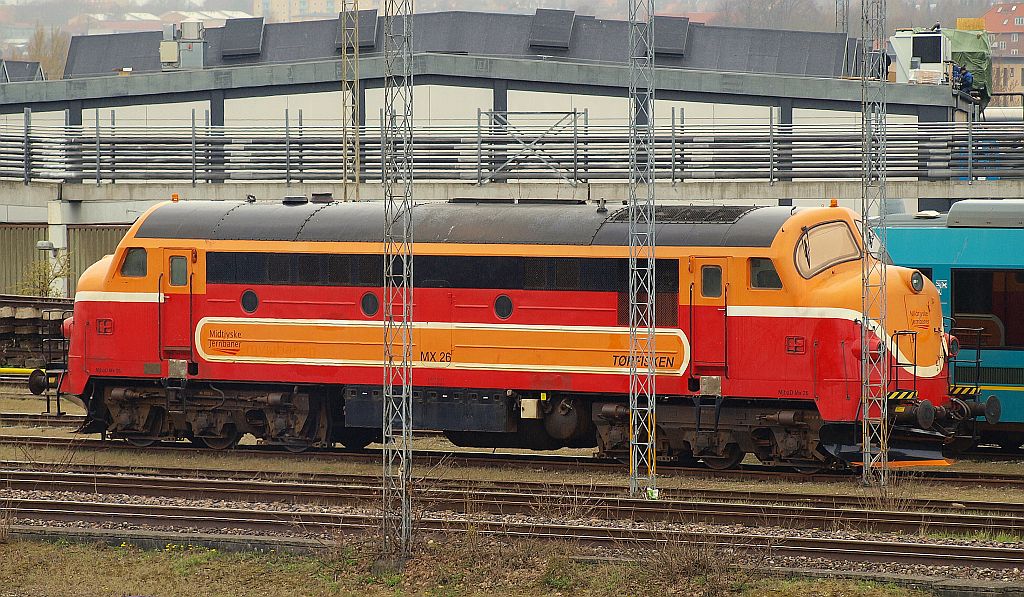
(709, 297)
(176, 307)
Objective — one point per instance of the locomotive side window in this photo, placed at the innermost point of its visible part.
(763, 274)
(279, 268)
(574, 274)
(711, 281)
(823, 246)
(992, 301)
(178, 271)
(134, 264)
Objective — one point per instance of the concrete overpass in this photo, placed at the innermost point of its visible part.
(930, 103)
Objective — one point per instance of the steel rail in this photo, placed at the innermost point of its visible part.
(44, 472)
(579, 464)
(40, 420)
(328, 523)
(720, 507)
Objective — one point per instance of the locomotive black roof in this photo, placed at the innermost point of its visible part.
(461, 223)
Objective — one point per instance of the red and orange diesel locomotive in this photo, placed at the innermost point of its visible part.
(216, 319)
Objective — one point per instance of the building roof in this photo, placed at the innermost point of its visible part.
(1001, 18)
(14, 71)
(587, 39)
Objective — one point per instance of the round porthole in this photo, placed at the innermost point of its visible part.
(370, 304)
(250, 301)
(503, 307)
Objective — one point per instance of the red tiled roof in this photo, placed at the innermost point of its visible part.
(1001, 18)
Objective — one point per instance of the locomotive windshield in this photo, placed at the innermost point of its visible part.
(822, 246)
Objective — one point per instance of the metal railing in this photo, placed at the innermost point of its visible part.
(564, 147)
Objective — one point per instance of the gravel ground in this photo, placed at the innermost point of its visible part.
(561, 516)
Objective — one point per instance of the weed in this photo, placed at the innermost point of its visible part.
(560, 574)
(6, 520)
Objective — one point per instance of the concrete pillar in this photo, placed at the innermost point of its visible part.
(783, 145)
(935, 162)
(74, 113)
(499, 96)
(217, 107)
(72, 118)
(361, 89)
(215, 151)
(57, 233)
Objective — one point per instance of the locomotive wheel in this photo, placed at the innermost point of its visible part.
(141, 442)
(357, 438)
(686, 460)
(217, 443)
(296, 448)
(1010, 445)
(733, 457)
(809, 469)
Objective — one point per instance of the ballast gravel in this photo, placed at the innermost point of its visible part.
(738, 557)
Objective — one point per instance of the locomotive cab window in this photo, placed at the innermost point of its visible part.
(178, 269)
(763, 274)
(711, 281)
(823, 246)
(134, 264)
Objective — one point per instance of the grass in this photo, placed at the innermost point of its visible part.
(442, 567)
(28, 403)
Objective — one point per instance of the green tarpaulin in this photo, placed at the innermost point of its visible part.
(971, 50)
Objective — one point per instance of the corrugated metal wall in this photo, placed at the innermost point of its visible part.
(18, 251)
(88, 244)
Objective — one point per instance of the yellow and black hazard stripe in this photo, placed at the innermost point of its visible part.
(964, 390)
(903, 395)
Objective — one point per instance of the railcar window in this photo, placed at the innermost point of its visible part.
(992, 301)
(134, 264)
(823, 246)
(711, 281)
(178, 271)
(763, 274)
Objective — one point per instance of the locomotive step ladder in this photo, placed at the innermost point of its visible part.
(707, 413)
(175, 385)
(898, 365)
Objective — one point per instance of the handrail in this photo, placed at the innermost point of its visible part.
(528, 149)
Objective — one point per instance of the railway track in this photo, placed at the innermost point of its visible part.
(677, 505)
(40, 420)
(527, 461)
(328, 524)
(20, 300)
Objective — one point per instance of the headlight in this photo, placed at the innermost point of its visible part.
(954, 346)
(917, 281)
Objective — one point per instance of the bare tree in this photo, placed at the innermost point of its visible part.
(50, 49)
(41, 276)
(774, 14)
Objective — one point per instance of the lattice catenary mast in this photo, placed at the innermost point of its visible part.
(642, 446)
(843, 16)
(396, 174)
(350, 108)
(874, 359)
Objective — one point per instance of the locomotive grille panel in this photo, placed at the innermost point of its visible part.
(991, 375)
(693, 214)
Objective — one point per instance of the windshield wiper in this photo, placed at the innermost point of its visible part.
(807, 247)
